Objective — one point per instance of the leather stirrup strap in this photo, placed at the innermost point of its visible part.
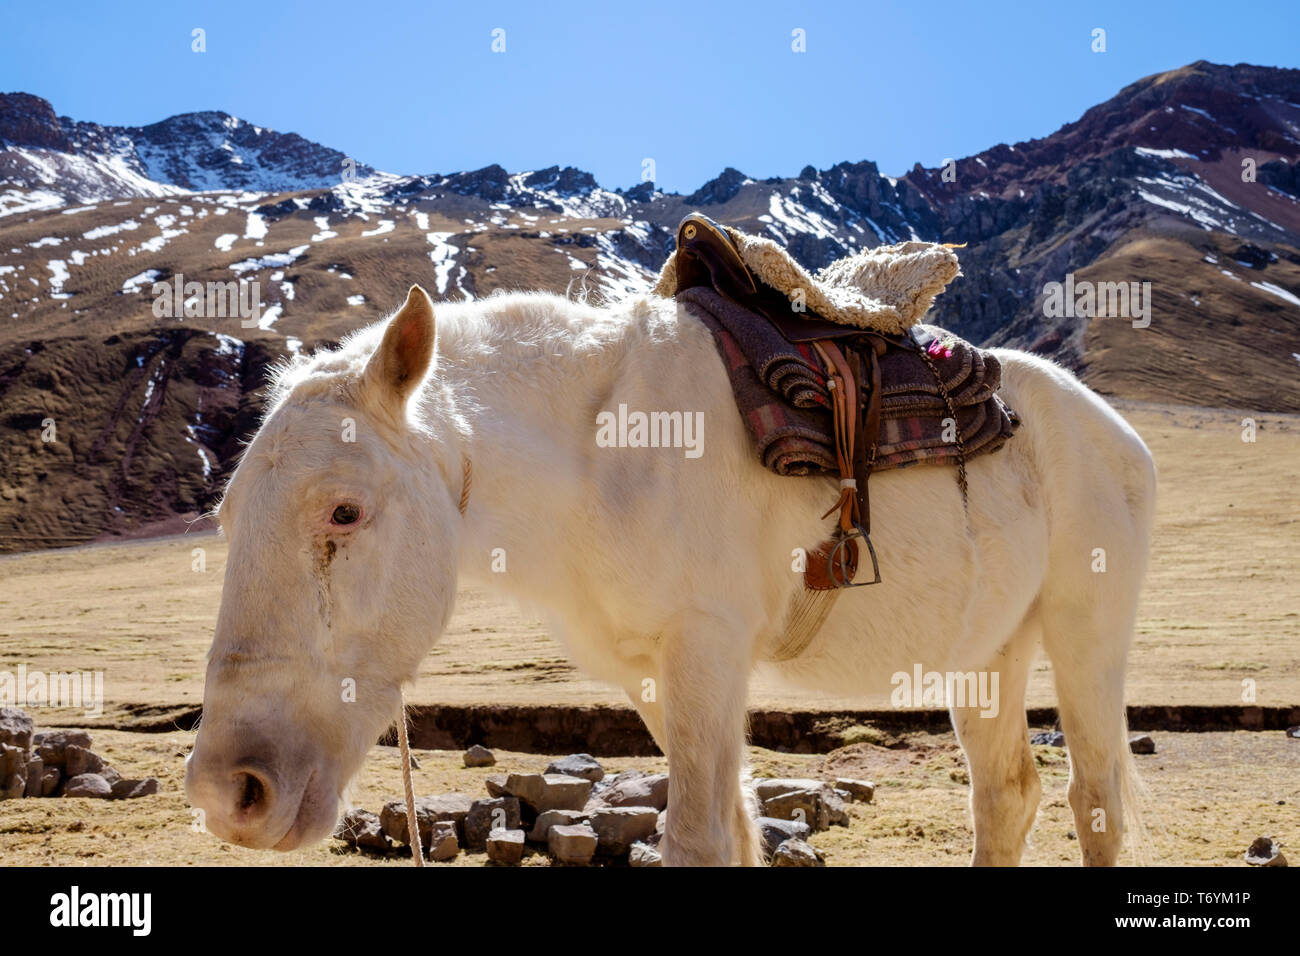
(869, 424)
(844, 389)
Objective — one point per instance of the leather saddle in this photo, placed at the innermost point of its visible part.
(706, 256)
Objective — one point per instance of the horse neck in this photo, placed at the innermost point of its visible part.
(527, 382)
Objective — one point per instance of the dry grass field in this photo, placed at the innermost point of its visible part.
(1222, 604)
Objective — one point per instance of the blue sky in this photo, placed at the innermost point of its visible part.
(416, 88)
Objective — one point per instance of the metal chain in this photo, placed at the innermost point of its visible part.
(961, 444)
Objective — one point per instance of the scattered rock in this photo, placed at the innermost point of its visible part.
(88, 785)
(617, 828)
(578, 765)
(50, 779)
(479, 756)
(51, 744)
(1264, 852)
(11, 758)
(15, 728)
(14, 785)
(661, 825)
(767, 789)
(78, 760)
(1050, 738)
(448, 807)
(552, 818)
(1142, 744)
(551, 791)
(361, 828)
(13, 772)
(572, 845)
(35, 771)
(488, 814)
(818, 808)
(496, 785)
(797, 853)
(642, 854)
(833, 806)
(506, 846)
(441, 844)
(131, 789)
(862, 790)
(1293, 732)
(635, 788)
(775, 832)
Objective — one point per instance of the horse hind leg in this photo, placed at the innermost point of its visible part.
(1005, 788)
(1086, 633)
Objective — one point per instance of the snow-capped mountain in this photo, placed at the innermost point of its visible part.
(1183, 187)
(48, 161)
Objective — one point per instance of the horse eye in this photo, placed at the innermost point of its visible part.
(346, 514)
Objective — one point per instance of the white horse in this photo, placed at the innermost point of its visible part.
(666, 574)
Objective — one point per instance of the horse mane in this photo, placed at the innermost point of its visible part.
(505, 331)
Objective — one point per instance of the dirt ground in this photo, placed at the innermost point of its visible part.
(1210, 795)
(1222, 604)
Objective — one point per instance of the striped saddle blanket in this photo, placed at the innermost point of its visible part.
(782, 396)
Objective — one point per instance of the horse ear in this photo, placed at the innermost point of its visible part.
(406, 352)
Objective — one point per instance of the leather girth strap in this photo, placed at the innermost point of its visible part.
(854, 384)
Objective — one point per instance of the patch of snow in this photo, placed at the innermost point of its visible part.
(14, 201)
(255, 227)
(274, 260)
(795, 218)
(133, 284)
(229, 345)
(1278, 291)
(102, 231)
(59, 275)
(157, 242)
(443, 257)
(1163, 153)
(269, 317)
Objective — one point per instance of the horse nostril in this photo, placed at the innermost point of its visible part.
(251, 793)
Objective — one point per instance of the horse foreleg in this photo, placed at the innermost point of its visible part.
(642, 692)
(705, 669)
